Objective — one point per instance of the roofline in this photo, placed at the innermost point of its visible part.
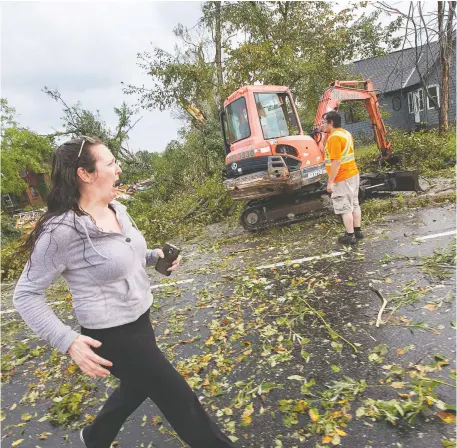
(393, 52)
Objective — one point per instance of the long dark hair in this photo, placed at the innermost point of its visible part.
(64, 193)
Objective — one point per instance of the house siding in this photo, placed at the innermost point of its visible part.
(402, 119)
(399, 119)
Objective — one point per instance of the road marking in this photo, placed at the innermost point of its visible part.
(164, 285)
(300, 260)
(13, 310)
(436, 235)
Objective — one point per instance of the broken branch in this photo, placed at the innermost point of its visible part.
(384, 304)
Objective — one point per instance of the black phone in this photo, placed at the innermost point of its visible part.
(171, 254)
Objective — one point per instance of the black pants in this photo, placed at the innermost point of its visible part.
(145, 372)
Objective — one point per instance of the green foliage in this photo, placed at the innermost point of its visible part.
(13, 260)
(441, 264)
(429, 152)
(21, 149)
(66, 405)
(8, 231)
(78, 121)
(161, 219)
(303, 45)
(185, 163)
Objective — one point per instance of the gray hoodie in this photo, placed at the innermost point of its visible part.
(105, 273)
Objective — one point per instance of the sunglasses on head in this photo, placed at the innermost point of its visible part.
(84, 140)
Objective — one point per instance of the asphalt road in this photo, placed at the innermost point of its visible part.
(228, 309)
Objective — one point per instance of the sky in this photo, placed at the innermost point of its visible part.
(85, 49)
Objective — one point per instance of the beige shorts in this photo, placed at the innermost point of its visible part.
(345, 195)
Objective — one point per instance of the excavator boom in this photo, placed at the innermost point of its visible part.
(355, 91)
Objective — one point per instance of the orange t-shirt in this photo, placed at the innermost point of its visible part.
(334, 151)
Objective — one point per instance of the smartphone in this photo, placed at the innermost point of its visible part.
(171, 254)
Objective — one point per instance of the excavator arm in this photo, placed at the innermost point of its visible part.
(349, 91)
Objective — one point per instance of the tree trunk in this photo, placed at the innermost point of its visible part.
(218, 58)
(445, 40)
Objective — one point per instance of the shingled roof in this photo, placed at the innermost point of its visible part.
(397, 70)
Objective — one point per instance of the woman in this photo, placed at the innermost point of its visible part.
(90, 240)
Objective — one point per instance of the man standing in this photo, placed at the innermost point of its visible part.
(343, 177)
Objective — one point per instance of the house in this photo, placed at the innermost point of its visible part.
(401, 95)
(31, 196)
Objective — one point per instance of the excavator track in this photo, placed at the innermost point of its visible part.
(260, 214)
(264, 224)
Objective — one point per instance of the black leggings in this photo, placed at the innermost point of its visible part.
(145, 372)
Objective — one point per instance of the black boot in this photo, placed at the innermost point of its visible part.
(358, 235)
(347, 238)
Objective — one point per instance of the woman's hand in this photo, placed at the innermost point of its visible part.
(88, 361)
(175, 263)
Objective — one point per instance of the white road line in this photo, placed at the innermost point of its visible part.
(164, 285)
(181, 282)
(12, 310)
(300, 260)
(436, 235)
(266, 266)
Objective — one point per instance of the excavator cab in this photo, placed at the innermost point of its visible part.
(266, 150)
(274, 111)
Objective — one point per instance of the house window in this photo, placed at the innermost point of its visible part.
(396, 103)
(416, 101)
(434, 92)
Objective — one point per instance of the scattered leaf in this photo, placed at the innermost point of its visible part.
(430, 307)
(447, 417)
(340, 432)
(314, 415)
(398, 385)
(327, 439)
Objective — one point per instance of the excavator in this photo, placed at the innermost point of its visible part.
(278, 169)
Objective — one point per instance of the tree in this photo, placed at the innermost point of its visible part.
(179, 80)
(421, 31)
(21, 149)
(78, 121)
(300, 44)
(445, 40)
(304, 45)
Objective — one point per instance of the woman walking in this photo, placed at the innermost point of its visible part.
(88, 238)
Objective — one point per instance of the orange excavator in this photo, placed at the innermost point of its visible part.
(277, 168)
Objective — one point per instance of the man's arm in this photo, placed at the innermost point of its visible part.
(334, 170)
(335, 150)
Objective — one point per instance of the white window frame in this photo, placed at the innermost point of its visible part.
(429, 105)
(410, 100)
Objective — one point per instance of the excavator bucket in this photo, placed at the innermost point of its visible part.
(393, 181)
(407, 181)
